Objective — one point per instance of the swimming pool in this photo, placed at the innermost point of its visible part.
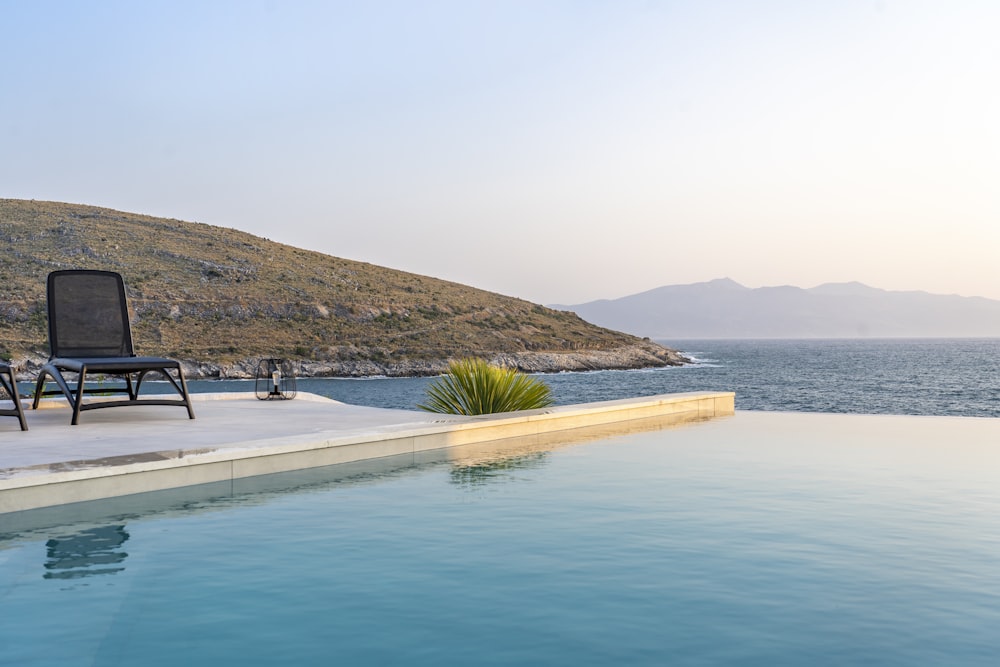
(763, 538)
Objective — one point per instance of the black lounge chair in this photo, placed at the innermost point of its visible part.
(89, 333)
(9, 386)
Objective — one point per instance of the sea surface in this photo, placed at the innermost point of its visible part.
(955, 377)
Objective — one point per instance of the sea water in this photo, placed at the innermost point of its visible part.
(759, 539)
(872, 376)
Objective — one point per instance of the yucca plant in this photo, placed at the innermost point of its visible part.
(475, 387)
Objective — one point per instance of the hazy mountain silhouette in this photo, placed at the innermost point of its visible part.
(725, 309)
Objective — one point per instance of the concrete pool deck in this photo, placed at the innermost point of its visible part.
(123, 451)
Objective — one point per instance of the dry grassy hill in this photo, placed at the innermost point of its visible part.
(221, 298)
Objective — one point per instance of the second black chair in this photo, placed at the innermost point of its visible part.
(89, 334)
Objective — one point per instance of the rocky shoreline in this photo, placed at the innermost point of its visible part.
(646, 355)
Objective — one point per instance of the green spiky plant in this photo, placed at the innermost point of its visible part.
(475, 387)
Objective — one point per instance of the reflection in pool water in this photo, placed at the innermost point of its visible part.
(92, 551)
(762, 539)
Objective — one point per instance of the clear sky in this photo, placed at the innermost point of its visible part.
(556, 151)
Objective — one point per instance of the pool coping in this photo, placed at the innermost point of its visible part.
(382, 433)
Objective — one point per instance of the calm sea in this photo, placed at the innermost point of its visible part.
(957, 377)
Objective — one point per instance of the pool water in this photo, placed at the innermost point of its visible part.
(760, 539)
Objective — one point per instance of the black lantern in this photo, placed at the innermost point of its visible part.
(275, 380)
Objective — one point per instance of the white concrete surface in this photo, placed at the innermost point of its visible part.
(126, 450)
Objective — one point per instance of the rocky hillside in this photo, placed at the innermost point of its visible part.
(219, 299)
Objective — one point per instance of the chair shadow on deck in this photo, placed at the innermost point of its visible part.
(90, 334)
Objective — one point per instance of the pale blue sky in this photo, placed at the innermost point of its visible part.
(554, 151)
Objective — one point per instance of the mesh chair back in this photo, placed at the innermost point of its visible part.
(88, 315)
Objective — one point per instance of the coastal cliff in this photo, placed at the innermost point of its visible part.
(641, 355)
(219, 299)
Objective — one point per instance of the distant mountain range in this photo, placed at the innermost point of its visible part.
(725, 309)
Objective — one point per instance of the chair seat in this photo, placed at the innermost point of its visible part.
(113, 364)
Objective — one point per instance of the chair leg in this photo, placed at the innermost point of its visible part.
(78, 401)
(15, 396)
(39, 388)
(184, 393)
(17, 404)
(133, 392)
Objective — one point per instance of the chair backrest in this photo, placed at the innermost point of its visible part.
(88, 314)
